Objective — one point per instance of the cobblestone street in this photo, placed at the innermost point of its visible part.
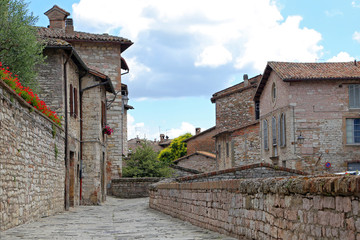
(123, 219)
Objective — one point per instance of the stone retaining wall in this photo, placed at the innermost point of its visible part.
(324, 207)
(32, 169)
(132, 187)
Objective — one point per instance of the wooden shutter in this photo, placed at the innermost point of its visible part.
(103, 114)
(71, 100)
(75, 103)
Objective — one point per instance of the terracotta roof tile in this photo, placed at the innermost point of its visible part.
(60, 34)
(236, 88)
(289, 71)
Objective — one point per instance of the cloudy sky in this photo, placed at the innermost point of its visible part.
(185, 51)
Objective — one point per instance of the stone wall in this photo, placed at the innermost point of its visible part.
(106, 58)
(32, 170)
(132, 187)
(271, 208)
(202, 162)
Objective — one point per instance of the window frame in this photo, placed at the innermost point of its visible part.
(352, 96)
(352, 136)
(282, 130)
(273, 131)
(265, 134)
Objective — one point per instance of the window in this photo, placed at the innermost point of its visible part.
(273, 92)
(273, 132)
(73, 101)
(257, 110)
(227, 149)
(282, 133)
(265, 134)
(354, 96)
(353, 130)
(219, 150)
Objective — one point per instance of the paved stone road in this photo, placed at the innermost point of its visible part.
(119, 219)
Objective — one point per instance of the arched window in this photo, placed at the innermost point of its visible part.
(282, 130)
(273, 127)
(265, 135)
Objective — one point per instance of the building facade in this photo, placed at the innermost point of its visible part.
(101, 52)
(235, 111)
(309, 114)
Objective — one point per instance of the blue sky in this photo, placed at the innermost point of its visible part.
(184, 51)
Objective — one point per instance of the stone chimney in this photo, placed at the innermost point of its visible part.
(162, 137)
(197, 130)
(69, 27)
(57, 17)
(246, 80)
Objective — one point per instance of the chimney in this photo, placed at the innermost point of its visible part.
(69, 27)
(197, 130)
(57, 17)
(162, 137)
(246, 80)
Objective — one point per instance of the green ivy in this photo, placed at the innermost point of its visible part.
(53, 131)
(56, 151)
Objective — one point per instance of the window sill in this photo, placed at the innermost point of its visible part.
(352, 145)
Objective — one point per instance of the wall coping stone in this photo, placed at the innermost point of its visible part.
(233, 170)
(146, 179)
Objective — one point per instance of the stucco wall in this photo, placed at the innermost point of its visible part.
(32, 170)
(270, 208)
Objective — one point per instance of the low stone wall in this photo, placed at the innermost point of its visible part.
(324, 207)
(131, 187)
(32, 169)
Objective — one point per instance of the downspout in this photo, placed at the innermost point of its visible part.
(67, 163)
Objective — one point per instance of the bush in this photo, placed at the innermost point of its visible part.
(177, 149)
(144, 163)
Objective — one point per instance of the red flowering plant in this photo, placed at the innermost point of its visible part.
(27, 94)
(108, 130)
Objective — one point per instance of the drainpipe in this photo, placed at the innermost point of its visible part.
(67, 162)
(81, 136)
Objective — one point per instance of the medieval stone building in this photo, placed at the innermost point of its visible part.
(102, 53)
(309, 114)
(237, 139)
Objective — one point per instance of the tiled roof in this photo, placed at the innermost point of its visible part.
(236, 88)
(199, 134)
(291, 71)
(55, 42)
(206, 154)
(80, 36)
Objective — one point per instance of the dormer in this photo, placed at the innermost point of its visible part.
(57, 17)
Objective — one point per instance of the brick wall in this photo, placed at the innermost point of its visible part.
(270, 208)
(32, 170)
(317, 110)
(203, 141)
(132, 187)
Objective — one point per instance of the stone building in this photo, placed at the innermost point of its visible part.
(199, 161)
(309, 114)
(78, 94)
(101, 52)
(201, 141)
(237, 140)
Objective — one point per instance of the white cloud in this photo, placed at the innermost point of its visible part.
(333, 13)
(174, 38)
(184, 128)
(134, 129)
(142, 131)
(355, 3)
(214, 56)
(356, 36)
(341, 57)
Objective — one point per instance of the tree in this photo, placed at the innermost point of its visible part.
(177, 149)
(20, 49)
(144, 163)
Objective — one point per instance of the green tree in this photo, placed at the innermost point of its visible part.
(20, 49)
(144, 163)
(177, 149)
